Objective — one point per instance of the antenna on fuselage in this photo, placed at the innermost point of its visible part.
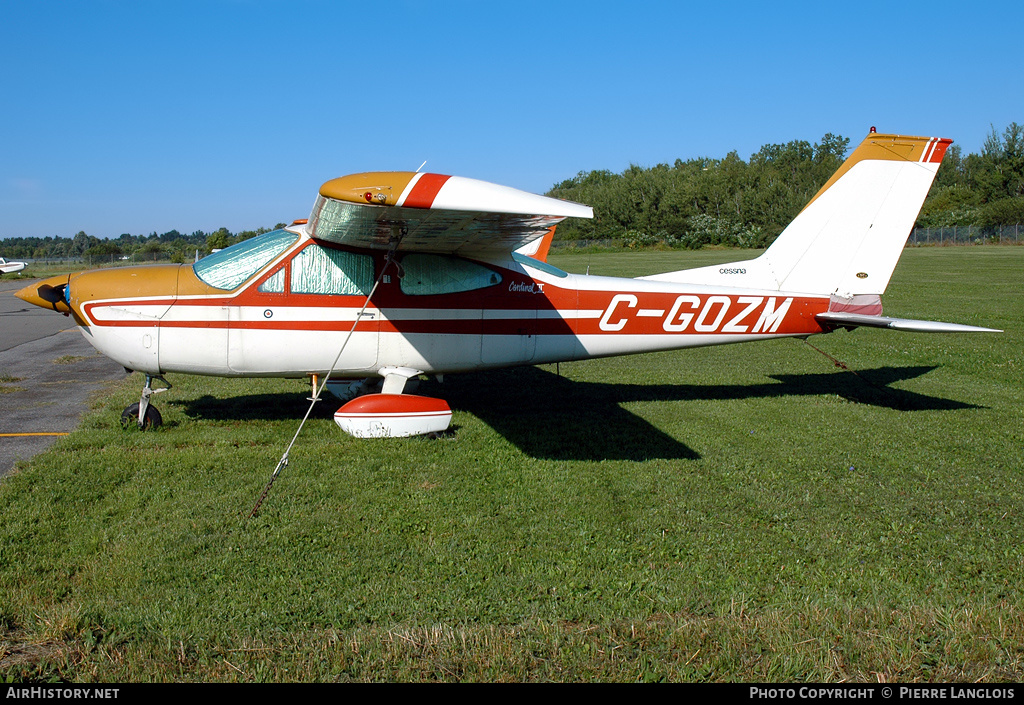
(422, 165)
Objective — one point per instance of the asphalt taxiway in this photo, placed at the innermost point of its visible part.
(48, 376)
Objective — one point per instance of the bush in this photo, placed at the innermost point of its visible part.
(703, 229)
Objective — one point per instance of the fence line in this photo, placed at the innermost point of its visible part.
(965, 235)
(101, 260)
(952, 235)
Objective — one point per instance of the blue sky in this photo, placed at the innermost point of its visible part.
(144, 116)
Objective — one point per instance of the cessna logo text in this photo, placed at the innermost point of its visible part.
(745, 314)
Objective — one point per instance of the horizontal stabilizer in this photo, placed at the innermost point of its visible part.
(853, 320)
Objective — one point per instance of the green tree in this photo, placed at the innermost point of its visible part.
(104, 247)
(80, 243)
(218, 239)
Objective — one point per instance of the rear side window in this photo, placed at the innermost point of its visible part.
(230, 267)
(440, 274)
(320, 270)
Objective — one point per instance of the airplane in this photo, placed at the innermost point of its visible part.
(10, 266)
(395, 275)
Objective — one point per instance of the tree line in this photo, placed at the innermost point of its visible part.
(692, 203)
(733, 202)
(170, 245)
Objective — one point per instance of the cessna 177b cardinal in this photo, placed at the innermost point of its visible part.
(398, 274)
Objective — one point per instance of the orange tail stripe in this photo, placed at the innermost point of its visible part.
(939, 151)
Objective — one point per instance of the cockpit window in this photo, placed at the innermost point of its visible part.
(440, 274)
(230, 267)
(322, 270)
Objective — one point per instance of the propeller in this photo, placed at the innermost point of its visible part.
(51, 294)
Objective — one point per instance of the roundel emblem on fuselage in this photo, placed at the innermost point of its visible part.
(862, 275)
(268, 313)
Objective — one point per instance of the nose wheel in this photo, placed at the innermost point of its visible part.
(147, 421)
(143, 415)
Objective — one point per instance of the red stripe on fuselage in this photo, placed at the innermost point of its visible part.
(606, 313)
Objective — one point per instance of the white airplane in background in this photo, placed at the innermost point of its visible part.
(10, 267)
(399, 274)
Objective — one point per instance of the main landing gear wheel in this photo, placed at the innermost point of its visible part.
(130, 418)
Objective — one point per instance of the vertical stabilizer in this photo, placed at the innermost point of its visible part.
(848, 239)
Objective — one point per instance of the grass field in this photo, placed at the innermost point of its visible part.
(741, 513)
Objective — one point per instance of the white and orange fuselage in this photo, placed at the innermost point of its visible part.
(172, 322)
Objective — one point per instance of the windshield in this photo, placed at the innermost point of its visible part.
(230, 267)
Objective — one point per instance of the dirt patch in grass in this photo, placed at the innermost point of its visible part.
(23, 657)
(69, 359)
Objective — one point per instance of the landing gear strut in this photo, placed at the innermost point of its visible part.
(143, 415)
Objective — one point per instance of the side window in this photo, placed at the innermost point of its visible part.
(440, 274)
(319, 270)
(273, 284)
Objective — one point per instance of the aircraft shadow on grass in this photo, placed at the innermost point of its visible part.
(252, 407)
(554, 418)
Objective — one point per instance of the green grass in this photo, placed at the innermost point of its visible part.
(8, 379)
(69, 359)
(743, 513)
(34, 271)
(42, 270)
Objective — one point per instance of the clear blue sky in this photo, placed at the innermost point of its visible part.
(146, 116)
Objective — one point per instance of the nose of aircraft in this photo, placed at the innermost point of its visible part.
(50, 293)
(72, 293)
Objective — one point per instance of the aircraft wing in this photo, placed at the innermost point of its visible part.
(853, 320)
(433, 213)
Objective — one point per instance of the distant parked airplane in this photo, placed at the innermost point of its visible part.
(10, 267)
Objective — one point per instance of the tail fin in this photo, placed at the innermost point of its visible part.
(848, 239)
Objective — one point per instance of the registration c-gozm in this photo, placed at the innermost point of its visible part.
(714, 314)
(715, 310)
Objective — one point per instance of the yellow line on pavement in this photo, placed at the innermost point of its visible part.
(12, 435)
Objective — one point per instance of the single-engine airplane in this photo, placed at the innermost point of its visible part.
(399, 274)
(10, 267)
